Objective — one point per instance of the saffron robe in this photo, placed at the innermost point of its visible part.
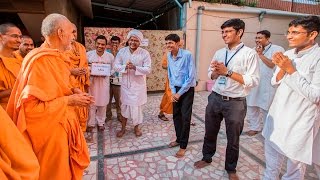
(17, 160)
(78, 59)
(40, 110)
(9, 69)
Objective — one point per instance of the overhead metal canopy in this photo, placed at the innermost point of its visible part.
(131, 12)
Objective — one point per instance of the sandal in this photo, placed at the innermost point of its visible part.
(163, 117)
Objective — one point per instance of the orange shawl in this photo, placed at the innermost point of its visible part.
(17, 160)
(78, 59)
(9, 69)
(166, 105)
(40, 111)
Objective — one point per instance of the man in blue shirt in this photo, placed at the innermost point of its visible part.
(181, 74)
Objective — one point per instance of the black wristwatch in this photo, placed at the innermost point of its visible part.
(229, 73)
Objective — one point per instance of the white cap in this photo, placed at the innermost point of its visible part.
(136, 33)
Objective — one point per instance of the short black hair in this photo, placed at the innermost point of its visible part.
(115, 38)
(266, 33)
(236, 23)
(101, 37)
(4, 27)
(173, 37)
(310, 23)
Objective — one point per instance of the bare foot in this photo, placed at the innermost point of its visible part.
(233, 176)
(180, 153)
(252, 133)
(89, 137)
(201, 164)
(121, 133)
(89, 129)
(137, 132)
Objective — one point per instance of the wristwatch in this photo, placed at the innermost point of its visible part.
(229, 73)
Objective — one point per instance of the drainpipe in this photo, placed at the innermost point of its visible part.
(183, 17)
(198, 39)
(190, 3)
(177, 2)
(260, 12)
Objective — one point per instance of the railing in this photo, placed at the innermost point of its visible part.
(300, 6)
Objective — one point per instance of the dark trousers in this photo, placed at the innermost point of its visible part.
(182, 111)
(233, 111)
(114, 92)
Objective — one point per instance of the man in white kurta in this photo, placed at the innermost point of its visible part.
(99, 85)
(260, 97)
(134, 63)
(292, 124)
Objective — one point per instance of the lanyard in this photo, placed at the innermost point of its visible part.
(225, 60)
(267, 49)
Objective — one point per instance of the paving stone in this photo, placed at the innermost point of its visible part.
(171, 165)
(149, 157)
(133, 173)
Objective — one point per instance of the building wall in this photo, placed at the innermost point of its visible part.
(156, 47)
(64, 7)
(302, 7)
(211, 33)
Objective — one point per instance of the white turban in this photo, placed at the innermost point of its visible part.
(136, 33)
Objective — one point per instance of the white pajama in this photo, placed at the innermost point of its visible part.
(97, 113)
(254, 116)
(274, 161)
(132, 112)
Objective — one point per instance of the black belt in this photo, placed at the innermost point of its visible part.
(227, 98)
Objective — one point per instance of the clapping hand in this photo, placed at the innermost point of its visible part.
(130, 65)
(283, 62)
(219, 68)
(259, 49)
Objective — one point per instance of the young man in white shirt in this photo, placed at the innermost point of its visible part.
(99, 85)
(236, 71)
(293, 121)
(260, 97)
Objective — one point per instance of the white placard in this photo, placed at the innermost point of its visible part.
(98, 69)
(144, 42)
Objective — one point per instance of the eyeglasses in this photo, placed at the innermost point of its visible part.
(294, 33)
(227, 31)
(16, 36)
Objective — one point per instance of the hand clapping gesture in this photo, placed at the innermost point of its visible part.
(283, 62)
(219, 68)
(130, 65)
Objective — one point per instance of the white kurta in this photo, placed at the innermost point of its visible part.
(293, 120)
(262, 95)
(100, 85)
(133, 84)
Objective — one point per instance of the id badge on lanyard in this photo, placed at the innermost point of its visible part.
(222, 80)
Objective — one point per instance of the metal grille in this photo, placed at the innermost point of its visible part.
(300, 6)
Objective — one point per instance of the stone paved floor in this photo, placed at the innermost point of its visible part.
(149, 157)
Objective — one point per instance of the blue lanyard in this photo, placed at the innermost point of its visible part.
(267, 49)
(225, 60)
